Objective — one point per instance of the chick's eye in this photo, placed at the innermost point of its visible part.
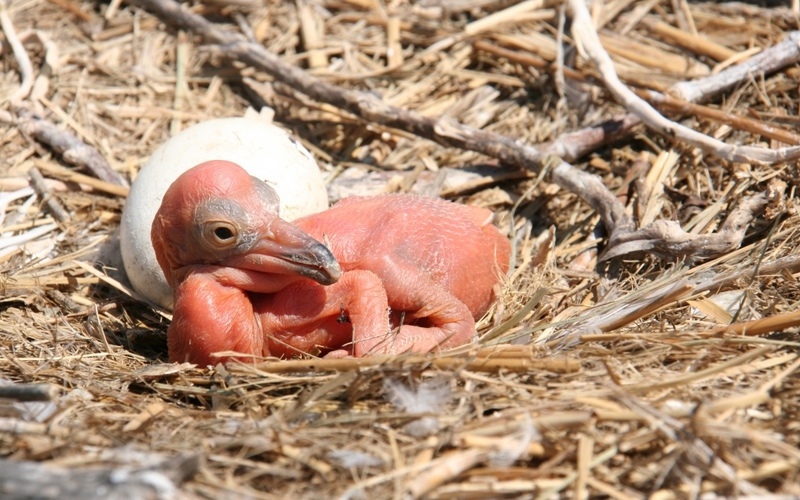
(221, 234)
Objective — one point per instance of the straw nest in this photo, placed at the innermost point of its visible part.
(646, 341)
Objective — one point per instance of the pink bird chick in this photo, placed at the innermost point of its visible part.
(396, 272)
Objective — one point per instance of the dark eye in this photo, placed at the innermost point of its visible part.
(221, 234)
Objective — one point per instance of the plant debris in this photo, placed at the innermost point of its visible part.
(640, 155)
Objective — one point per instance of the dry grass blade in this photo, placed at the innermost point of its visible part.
(490, 359)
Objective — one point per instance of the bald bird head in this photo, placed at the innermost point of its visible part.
(216, 214)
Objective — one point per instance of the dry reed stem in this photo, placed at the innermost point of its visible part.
(72, 176)
(693, 42)
(492, 359)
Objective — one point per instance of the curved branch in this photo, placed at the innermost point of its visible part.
(583, 31)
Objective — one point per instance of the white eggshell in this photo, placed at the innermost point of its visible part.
(263, 149)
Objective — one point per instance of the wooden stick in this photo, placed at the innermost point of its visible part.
(694, 43)
(789, 263)
(29, 392)
(312, 35)
(584, 31)
(770, 324)
(445, 468)
(739, 122)
(55, 208)
(72, 9)
(525, 58)
(72, 176)
(478, 364)
(771, 59)
(72, 149)
(653, 57)
(394, 50)
(25, 479)
(510, 14)
(23, 61)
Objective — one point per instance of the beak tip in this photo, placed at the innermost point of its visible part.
(335, 272)
(331, 268)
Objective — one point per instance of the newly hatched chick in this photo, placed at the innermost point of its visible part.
(399, 272)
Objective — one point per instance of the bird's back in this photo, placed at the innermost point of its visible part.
(455, 245)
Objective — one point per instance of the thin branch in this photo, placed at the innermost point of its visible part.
(23, 61)
(34, 480)
(667, 238)
(70, 147)
(55, 208)
(739, 122)
(29, 392)
(778, 56)
(584, 32)
(575, 145)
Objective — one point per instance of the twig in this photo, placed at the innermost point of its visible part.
(72, 9)
(34, 480)
(770, 324)
(483, 361)
(778, 56)
(311, 35)
(37, 180)
(23, 61)
(528, 59)
(596, 194)
(72, 149)
(697, 44)
(667, 238)
(583, 31)
(575, 145)
(91, 182)
(739, 122)
(29, 392)
(717, 283)
(444, 469)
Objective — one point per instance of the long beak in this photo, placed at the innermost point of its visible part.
(289, 250)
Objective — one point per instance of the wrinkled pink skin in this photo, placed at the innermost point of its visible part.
(413, 273)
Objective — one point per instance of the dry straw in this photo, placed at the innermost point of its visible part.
(645, 345)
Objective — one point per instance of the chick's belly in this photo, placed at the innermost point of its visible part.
(317, 339)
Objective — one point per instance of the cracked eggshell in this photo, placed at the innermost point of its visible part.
(264, 150)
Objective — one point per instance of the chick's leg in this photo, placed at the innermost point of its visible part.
(359, 299)
(306, 317)
(412, 291)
